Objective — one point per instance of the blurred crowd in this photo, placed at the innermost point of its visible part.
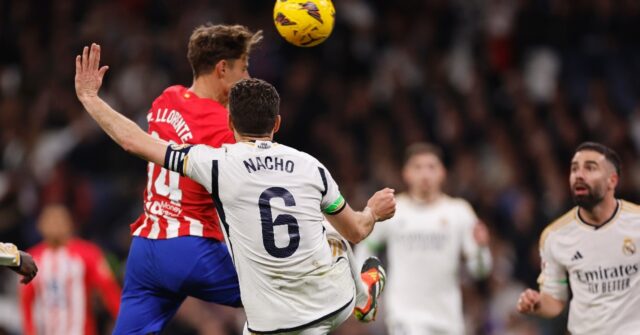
(508, 88)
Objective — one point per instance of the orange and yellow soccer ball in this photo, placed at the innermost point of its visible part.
(304, 23)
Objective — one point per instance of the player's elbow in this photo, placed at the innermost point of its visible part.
(128, 145)
(131, 144)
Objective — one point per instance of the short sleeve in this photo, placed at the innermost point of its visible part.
(553, 278)
(193, 161)
(332, 201)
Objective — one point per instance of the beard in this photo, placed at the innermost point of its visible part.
(588, 200)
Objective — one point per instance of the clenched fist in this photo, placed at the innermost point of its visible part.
(383, 204)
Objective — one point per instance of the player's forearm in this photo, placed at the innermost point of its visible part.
(366, 221)
(548, 306)
(353, 225)
(124, 131)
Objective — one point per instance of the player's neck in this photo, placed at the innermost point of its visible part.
(251, 138)
(600, 213)
(425, 197)
(205, 87)
(57, 242)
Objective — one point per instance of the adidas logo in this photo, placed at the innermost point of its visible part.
(576, 256)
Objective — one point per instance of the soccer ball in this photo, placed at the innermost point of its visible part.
(304, 23)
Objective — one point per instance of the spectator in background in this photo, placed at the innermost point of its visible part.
(58, 301)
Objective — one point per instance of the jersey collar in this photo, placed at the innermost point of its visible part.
(596, 227)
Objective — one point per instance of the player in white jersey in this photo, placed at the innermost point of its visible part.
(593, 250)
(430, 232)
(270, 198)
(18, 261)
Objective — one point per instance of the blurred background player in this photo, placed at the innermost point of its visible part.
(593, 249)
(429, 234)
(18, 261)
(177, 248)
(286, 280)
(59, 300)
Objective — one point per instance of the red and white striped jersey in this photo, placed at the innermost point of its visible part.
(58, 300)
(175, 205)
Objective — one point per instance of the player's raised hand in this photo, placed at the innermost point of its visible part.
(383, 204)
(529, 301)
(89, 74)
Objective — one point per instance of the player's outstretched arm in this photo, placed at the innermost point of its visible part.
(125, 132)
(355, 226)
(540, 304)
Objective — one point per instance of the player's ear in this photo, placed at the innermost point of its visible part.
(276, 126)
(221, 68)
(613, 180)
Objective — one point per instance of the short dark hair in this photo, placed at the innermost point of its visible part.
(210, 44)
(420, 148)
(607, 152)
(254, 105)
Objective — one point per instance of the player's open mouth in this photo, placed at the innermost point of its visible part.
(580, 189)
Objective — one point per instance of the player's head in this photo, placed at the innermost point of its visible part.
(595, 171)
(254, 108)
(423, 170)
(55, 224)
(222, 51)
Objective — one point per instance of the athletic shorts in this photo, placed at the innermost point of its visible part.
(160, 274)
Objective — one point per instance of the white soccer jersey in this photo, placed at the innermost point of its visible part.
(270, 199)
(602, 264)
(424, 244)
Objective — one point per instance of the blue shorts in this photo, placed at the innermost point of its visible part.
(160, 274)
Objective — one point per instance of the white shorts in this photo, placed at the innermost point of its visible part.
(322, 327)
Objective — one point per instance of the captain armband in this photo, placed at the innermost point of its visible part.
(176, 157)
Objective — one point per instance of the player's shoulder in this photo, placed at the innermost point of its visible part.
(456, 205)
(629, 207)
(84, 247)
(298, 154)
(456, 202)
(170, 93)
(37, 249)
(558, 225)
(204, 151)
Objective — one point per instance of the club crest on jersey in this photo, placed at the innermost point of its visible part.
(628, 247)
(312, 10)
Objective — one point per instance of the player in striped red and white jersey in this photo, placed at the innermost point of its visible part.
(178, 249)
(58, 300)
(176, 206)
